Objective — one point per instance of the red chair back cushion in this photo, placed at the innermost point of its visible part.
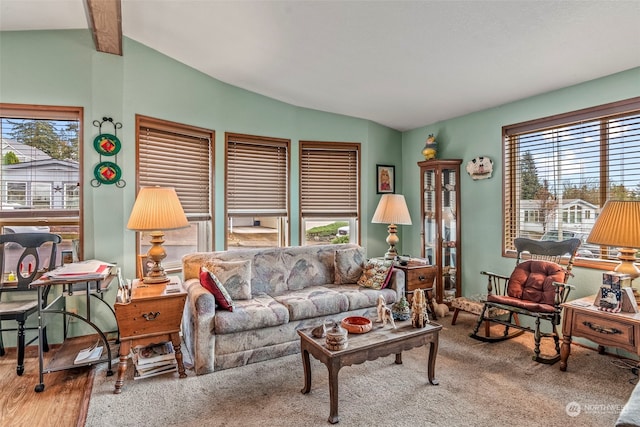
(532, 280)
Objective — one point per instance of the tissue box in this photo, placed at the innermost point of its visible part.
(616, 280)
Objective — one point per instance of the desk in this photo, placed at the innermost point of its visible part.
(152, 314)
(583, 319)
(64, 357)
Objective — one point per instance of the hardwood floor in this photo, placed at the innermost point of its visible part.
(63, 402)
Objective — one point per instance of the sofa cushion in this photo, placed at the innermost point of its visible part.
(313, 301)
(349, 264)
(235, 276)
(376, 274)
(210, 282)
(310, 267)
(259, 312)
(360, 297)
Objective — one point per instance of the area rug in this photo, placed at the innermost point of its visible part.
(480, 384)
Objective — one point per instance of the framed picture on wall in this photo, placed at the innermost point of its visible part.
(144, 266)
(385, 179)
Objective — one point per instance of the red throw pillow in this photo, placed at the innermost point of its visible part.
(210, 282)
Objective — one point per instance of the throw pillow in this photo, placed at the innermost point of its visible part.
(210, 282)
(376, 274)
(348, 265)
(235, 276)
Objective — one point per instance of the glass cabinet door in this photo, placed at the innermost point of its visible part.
(430, 224)
(449, 222)
(441, 224)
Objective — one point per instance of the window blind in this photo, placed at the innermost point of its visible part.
(173, 155)
(257, 176)
(560, 170)
(329, 179)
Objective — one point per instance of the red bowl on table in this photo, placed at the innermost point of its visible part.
(357, 324)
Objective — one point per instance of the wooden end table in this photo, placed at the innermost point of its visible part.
(419, 276)
(379, 342)
(155, 312)
(583, 319)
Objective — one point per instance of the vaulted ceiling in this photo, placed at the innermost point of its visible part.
(403, 64)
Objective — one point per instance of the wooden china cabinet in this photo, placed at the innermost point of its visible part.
(440, 219)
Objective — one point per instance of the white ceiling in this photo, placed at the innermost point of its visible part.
(403, 64)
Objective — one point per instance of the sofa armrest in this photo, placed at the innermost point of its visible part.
(397, 281)
(197, 326)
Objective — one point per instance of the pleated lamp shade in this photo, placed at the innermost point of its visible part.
(157, 208)
(619, 226)
(392, 209)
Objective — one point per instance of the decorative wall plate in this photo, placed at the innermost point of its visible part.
(107, 144)
(107, 172)
(480, 167)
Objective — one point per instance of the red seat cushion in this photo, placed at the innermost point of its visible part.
(532, 281)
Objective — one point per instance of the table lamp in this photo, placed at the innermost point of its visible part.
(619, 225)
(157, 209)
(392, 210)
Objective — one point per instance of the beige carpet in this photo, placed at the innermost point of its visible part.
(480, 385)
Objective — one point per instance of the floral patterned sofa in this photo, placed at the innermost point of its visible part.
(275, 292)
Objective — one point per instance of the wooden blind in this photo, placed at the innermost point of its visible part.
(561, 169)
(257, 176)
(179, 156)
(329, 179)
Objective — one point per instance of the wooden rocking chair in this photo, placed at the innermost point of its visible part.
(537, 287)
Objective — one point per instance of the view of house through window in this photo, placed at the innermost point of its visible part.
(40, 188)
(560, 171)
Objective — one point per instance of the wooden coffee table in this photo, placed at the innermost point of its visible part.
(379, 342)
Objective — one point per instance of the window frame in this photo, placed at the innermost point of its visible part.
(283, 222)
(354, 222)
(205, 223)
(49, 217)
(511, 156)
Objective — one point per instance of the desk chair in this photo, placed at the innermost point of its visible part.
(20, 260)
(536, 288)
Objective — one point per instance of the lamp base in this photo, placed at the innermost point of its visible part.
(392, 241)
(155, 280)
(156, 253)
(627, 265)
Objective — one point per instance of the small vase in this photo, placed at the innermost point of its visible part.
(336, 338)
(401, 310)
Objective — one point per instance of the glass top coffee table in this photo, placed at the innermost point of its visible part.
(379, 342)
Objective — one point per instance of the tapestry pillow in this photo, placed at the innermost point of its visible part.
(210, 282)
(235, 276)
(376, 274)
(348, 265)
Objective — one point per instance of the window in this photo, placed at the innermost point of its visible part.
(180, 156)
(329, 192)
(257, 193)
(566, 167)
(40, 152)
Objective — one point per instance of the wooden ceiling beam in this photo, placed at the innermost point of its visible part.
(105, 22)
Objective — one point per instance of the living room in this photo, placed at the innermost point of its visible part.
(63, 68)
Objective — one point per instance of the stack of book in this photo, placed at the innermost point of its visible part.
(154, 360)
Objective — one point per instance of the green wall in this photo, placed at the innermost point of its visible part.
(480, 133)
